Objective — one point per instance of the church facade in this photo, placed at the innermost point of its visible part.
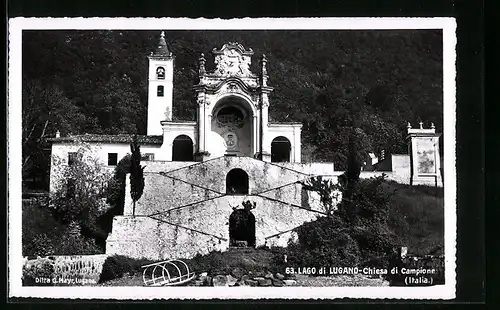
(229, 178)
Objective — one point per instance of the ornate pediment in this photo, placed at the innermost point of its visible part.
(233, 60)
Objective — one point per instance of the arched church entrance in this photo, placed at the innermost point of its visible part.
(182, 148)
(242, 228)
(237, 182)
(280, 149)
(233, 121)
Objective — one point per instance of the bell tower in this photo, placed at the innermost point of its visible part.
(160, 87)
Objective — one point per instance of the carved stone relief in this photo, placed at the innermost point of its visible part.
(232, 63)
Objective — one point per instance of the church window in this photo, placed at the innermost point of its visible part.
(71, 158)
(160, 91)
(112, 159)
(280, 149)
(237, 182)
(182, 148)
(160, 73)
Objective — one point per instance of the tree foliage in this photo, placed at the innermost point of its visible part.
(328, 191)
(136, 172)
(357, 232)
(79, 199)
(96, 82)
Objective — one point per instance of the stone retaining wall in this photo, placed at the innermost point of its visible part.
(202, 227)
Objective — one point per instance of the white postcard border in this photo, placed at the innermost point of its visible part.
(17, 25)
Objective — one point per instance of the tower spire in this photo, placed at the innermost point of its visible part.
(161, 48)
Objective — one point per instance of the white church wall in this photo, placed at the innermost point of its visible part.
(312, 168)
(92, 151)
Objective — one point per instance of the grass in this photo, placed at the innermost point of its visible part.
(417, 217)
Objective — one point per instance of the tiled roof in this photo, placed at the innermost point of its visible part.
(108, 139)
(161, 48)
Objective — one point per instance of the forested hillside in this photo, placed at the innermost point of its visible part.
(331, 81)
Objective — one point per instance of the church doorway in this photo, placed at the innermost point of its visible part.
(280, 149)
(237, 182)
(242, 228)
(182, 148)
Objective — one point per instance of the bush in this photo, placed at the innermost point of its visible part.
(33, 271)
(43, 235)
(370, 222)
(224, 262)
(117, 266)
(357, 233)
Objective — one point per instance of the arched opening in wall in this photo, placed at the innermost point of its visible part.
(237, 182)
(160, 73)
(242, 228)
(182, 148)
(233, 122)
(280, 149)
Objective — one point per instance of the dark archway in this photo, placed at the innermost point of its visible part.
(237, 182)
(182, 148)
(242, 228)
(160, 73)
(280, 149)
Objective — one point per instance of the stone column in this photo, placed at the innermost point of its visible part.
(264, 121)
(201, 153)
(265, 151)
(208, 128)
(297, 144)
(425, 168)
(201, 126)
(255, 135)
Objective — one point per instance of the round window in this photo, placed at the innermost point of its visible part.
(230, 116)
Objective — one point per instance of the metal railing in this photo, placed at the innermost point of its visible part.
(162, 273)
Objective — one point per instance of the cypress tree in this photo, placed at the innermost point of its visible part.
(136, 172)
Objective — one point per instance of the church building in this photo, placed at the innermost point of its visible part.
(229, 178)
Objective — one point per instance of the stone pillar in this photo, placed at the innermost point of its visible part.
(264, 121)
(264, 144)
(201, 125)
(425, 159)
(208, 126)
(201, 153)
(128, 204)
(255, 135)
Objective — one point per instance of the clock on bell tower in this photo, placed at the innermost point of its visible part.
(160, 88)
